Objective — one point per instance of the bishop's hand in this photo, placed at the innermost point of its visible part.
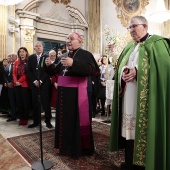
(67, 61)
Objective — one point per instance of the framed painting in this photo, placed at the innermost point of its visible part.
(130, 6)
(127, 8)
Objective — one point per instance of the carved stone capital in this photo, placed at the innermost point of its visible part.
(29, 34)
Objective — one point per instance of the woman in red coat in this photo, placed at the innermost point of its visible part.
(21, 84)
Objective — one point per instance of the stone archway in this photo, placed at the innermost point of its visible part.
(50, 24)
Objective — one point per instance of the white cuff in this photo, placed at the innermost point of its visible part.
(34, 81)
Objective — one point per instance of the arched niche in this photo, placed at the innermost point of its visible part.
(53, 23)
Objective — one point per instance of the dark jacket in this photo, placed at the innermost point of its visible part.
(8, 73)
(2, 71)
(37, 71)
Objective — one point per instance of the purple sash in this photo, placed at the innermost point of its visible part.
(83, 105)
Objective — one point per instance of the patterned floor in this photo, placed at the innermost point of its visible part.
(9, 158)
(29, 147)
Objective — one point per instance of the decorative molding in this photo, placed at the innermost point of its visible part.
(54, 14)
(32, 6)
(49, 24)
(76, 17)
(27, 15)
(55, 1)
(128, 8)
(75, 13)
(65, 2)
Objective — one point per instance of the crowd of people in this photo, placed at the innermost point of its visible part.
(25, 77)
(19, 97)
(30, 86)
(73, 81)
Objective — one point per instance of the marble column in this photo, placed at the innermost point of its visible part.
(94, 26)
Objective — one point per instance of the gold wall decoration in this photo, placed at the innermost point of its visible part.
(65, 2)
(128, 8)
(29, 34)
(29, 37)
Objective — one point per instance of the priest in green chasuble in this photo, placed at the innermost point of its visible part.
(140, 120)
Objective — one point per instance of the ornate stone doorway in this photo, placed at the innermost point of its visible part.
(51, 44)
(39, 22)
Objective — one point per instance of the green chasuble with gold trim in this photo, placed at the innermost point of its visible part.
(152, 137)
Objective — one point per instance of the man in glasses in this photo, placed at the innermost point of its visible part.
(140, 114)
(73, 131)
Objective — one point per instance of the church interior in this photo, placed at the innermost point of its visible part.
(102, 23)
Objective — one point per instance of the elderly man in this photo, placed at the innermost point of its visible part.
(140, 114)
(54, 78)
(73, 132)
(40, 85)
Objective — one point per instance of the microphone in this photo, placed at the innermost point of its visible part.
(64, 55)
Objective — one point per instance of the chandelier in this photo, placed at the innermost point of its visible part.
(161, 14)
(9, 2)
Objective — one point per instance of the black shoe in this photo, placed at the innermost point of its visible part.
(10, 119)
(49, 125)
(98, 110)
(5, 112)
(33, 125)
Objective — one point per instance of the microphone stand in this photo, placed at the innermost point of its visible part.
(42, 164)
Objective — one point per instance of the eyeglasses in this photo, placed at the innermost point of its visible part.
(134, 26)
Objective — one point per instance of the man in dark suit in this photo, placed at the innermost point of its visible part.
(40, 85)
(10, 85)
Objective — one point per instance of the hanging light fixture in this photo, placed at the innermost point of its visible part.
(161, 14)
(9, 2)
